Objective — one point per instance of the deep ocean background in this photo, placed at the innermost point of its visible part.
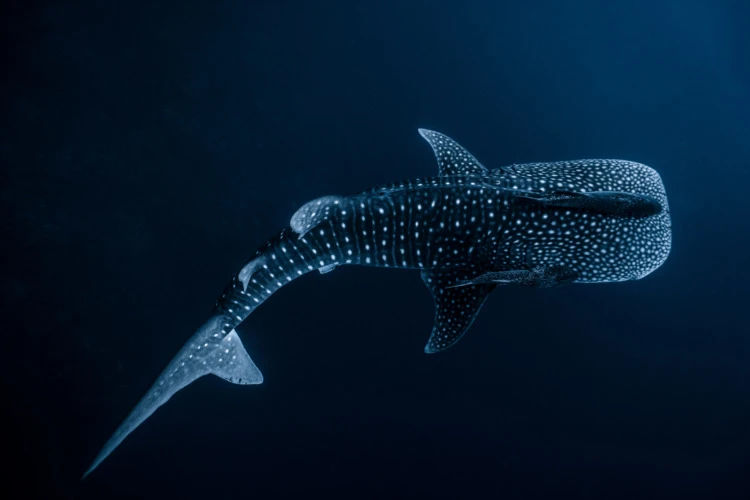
(148, 148)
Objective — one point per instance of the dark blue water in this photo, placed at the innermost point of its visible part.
(148, 148)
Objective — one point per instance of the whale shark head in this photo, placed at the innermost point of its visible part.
(606, 220)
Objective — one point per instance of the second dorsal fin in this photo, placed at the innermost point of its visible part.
(313, 213)
(452, 158)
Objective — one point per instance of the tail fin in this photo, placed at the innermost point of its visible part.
(208, 351)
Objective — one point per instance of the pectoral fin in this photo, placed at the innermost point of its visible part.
(456, 307)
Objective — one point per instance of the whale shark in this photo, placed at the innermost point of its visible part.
(467, 230)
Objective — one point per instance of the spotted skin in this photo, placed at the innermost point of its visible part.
(467, 230)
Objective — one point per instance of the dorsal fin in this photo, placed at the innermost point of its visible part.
(455, 308)
(452, 158)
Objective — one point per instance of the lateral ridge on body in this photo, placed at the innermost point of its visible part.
(468, 230)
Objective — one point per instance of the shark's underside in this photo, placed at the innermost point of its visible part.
(467, 230)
